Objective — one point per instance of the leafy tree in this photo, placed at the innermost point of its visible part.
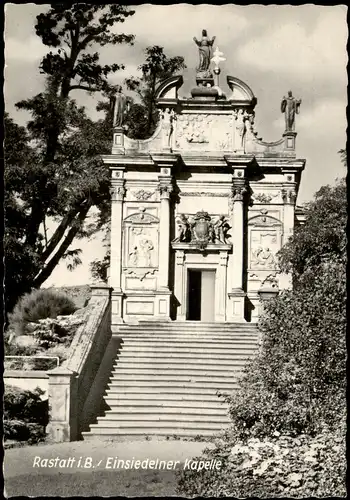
(297, 382)
(156, 68)
(65, 179)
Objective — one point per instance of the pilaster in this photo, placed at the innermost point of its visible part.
(117, 198)
(237, 295)
(179, 284)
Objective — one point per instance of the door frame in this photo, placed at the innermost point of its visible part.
(214, 259)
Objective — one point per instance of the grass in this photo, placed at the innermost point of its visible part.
(94, 483)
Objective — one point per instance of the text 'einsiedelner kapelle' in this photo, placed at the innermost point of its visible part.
(117, 463)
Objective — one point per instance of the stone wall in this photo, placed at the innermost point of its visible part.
(71, 383)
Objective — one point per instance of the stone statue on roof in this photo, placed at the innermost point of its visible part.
(205, 47)
(119, 107)
(290, 106)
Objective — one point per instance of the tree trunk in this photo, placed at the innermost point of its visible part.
(47, 270)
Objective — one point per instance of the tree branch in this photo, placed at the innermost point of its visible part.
(58, 234)
(83, 87)
(47, 270)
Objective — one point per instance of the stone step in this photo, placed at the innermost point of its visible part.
(163, 393)
(170, 404)
(182, 357)
(185, 385)
(142, 433)
(178, 364)
(180, 371)
(142, 340)
(114, 419)
(125, 411)
(190, 329)
(185, 325)
(214, 349)
(175, 376)
(170, 425)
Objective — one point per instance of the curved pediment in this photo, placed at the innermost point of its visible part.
(168, 89)
(141, 218)
(264, 220)
(240, 91)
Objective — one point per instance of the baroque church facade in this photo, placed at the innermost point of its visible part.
(201, 208)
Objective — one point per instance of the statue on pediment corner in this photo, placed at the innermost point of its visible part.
(290, 106)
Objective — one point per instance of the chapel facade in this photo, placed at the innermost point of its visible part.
(200, 209)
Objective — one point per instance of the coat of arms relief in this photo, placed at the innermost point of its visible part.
(202, 230)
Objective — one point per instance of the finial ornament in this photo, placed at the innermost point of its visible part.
(290, 106)
(204, 47)
(217, 58)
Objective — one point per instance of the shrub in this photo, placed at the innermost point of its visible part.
(25, 405)
(297, 383)
(18, 430)
(39, 304)
(278, 466)
(25, 415)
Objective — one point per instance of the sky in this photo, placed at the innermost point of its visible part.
(272, 48)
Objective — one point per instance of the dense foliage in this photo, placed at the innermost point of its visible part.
(292, 396)
(25, 415)
(278, 466)
(52, 170)
(156, 68)
(36, 305)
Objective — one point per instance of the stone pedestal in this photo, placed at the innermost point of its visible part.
(235, 311)
(63, 398)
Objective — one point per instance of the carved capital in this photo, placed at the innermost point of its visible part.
(238, 192)
(180, 258)
(117, 191)
(289, 196)
(165, 190)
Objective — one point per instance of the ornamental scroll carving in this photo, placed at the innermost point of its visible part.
(201, 230)
(142, 194)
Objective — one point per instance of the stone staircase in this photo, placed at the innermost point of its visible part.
(166, 375)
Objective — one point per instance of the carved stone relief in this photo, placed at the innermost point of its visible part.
(264, 245)
(141, 248)
(202, 230)
(143, 195)
(204, 131)
(264, 198)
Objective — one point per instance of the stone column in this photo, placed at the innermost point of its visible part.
(117, 197)
(222, 279)
(165, 189)
(289, 198)
(179, 285)
(237, 295)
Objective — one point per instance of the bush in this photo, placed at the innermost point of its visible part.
(297, 383)
(279, 466)
(39, 304)
(25, 415)
(18, 430)
(25, 405)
